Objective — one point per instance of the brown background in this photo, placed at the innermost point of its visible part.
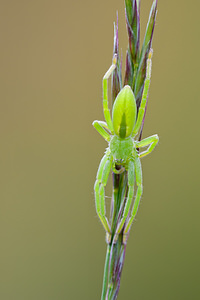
(52, 58)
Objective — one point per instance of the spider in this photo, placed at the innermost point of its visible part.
(120, 132)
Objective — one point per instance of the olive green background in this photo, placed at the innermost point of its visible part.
(53, 55)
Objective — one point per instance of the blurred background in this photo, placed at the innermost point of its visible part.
(53, 55)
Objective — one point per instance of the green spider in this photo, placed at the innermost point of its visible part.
(122, 148)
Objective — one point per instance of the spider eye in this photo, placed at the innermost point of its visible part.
(124, 112)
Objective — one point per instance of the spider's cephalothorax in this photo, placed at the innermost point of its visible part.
(121, 149)
(120, 132)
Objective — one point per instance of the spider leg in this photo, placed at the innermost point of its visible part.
(150, 141)
(105, 94)
(141, 111)
(99, 126)
(104, 125)
(99, 188)
(131, 181)
(138, 174)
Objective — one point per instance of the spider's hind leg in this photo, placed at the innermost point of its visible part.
(105, 94)
(142, 107)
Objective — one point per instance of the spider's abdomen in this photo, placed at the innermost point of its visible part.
(124, 113)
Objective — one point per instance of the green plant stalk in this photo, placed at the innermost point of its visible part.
(134, 76)
(115, 252)
(106, 270)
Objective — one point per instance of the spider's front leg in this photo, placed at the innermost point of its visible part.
(99, 188)
(131, 181)
(138, 174)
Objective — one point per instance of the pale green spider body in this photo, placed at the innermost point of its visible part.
(122, 148)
